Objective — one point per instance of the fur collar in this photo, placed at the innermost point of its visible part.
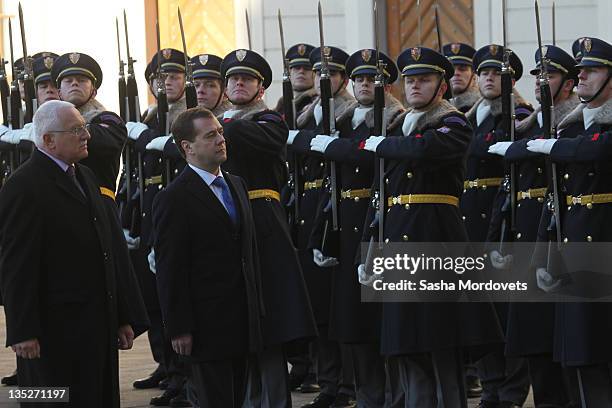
(298, 98)
(91, 109)
(603, 117)
(432, 117)
(393, 109)
(174, 109)
(246, 112)
(222, 107)
(468, 98)
(343, 100)
(561, 111)
(496, 105)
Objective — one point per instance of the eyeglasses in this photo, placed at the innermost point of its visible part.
(77, 131)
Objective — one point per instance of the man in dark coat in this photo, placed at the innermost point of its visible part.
(66, 308)
(208, 284)
(424, 168)
(530, 326)
(256, 138)
(464, 82)
(583, 331)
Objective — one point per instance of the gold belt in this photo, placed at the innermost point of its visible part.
(424, 199)
(264, 193)
(309, 185)
(590, 199)
(107, 192)
(355, 194)
(153, 180)
(531, 193)
(485, 182)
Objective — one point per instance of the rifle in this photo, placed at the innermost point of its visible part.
(191, 97)
(15, 112)
(290, 117)
(31, 103)
(380, 128)
(248, 26)
(548, 113)
(133, 110)
(507, 100)
(448, 94)
(5, 92)
(419, 39)
(162, 104)
(127, 172)
(327, 105)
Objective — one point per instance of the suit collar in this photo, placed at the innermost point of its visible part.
(53, 171)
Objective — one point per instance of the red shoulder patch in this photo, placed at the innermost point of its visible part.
(595, 137)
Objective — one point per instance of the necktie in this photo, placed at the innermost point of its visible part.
(226, 196)
(72, 174)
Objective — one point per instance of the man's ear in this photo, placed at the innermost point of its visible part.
(48, 140)
(186, 146)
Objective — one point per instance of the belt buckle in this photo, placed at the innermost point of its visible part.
(347, 193)
(396, 200)
(526, 194)
(473, 183)
(577, 200)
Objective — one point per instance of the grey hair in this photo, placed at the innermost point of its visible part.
(46, 119)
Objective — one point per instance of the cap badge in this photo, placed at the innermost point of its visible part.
(415, 53)
(366, 55)
(203, 59)
(455, 48)
(167, 53)
(301, 50)
(74, 57)
(493, 49)
(48, 62)
(588, 44)
(241, 54)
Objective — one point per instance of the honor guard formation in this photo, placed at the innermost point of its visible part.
(232, 233)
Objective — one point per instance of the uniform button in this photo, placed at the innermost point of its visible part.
(388, 209)
(591, 174)
(589, 206)
(356, 229)
(566, 176)
(386, 240)
(405, 237)
(321, 164)
(540, 199)
(387, 181)
(175, 171)
(483, 216)
(409, 175)
(518, 235)
(301, 222)
(484, 187)
(463, 218)
(95, 219)
(569, 208)
(144, 163)
(356, 199)
(159, 186)
(565, 240)
(520, 174)
(539, 170)
(589, 238)
(303, 194)
(464, 190)
(144, 214)
(306, 168)
(340, 229)
(407, 206)
(105, 256)
(518, 205)
(159, 160)
(356, 169)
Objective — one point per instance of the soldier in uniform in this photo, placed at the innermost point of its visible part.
(353, 322)
(424, 167)
(547, 377)
(330, 359)
(464, 83)
(149, 141)
(302, 77)
(255, 138)
(583, 331)
(504, 381)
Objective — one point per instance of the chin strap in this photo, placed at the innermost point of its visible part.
(433, 96)
(592, 98)
(247, 103)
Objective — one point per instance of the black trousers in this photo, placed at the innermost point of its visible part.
(333, 365)
(220, 383)
(504, 379)
(594, 385)
(370, 378)
(550, 382)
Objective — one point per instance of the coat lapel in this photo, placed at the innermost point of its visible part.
(240, 199)
(55, 172)
(198, 187)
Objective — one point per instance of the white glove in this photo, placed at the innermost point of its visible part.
(499, 148)
(3, 129)
(541, 145)
(546, 281)
(135, 129)
(364, 278)
(320, 142)
(151, 259)
(323, 261)
(14, 136)
(291, 136)
(372, 143)
(500, 261)
(132, 243)
(158, 143)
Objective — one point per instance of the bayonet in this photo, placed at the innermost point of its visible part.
(28, 75)
(191, 97)
(248, 26)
